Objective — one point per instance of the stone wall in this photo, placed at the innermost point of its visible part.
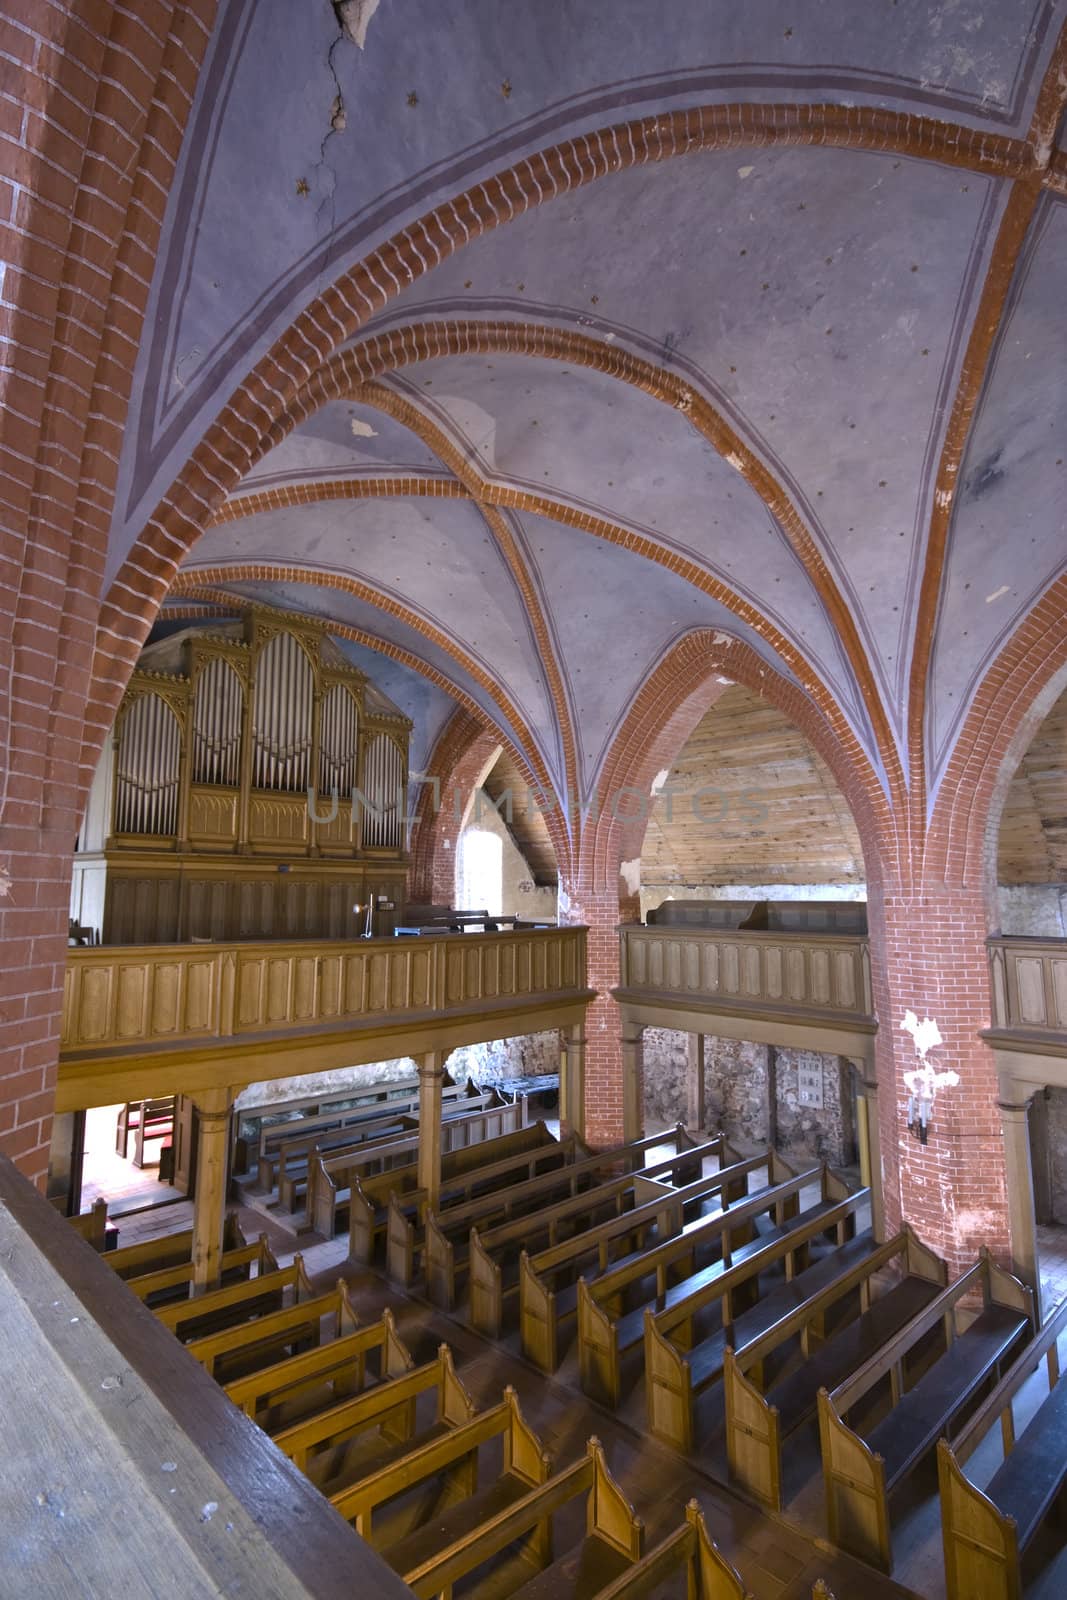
(654, 894)
(1039, 909)
(1048, 1143)
(737, 1097)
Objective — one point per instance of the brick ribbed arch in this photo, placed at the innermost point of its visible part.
(235, 440)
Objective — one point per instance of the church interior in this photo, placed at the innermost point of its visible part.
(533, 1049)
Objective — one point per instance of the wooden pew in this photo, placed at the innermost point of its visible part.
(758, 1422)
(239, 1302)
(525, 1466)
(860, 1473)
(406, 1213)
(690, 1552)
(294, 1172)
(250, 1346)
(548, 1281)
(92, 1225)
(494, 1255)
(145, 1119)
(611, 1307)
(173, 1283)
(985, 1534)
(290, 1391)
(679, 1366)
(323, 1446)
(254, 1123)
(447, 1231)
(132, 1260)
(613, 1541)
(369, 1198)
(329, 1180)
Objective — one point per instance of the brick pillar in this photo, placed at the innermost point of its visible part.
(928, 956)
(604, 1111)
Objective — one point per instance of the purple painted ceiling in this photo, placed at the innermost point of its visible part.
(820, 299)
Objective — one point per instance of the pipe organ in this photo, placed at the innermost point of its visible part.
(256, 787)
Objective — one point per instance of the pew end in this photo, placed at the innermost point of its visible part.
(980, 1543)
(753, 1436)
(857, 1513)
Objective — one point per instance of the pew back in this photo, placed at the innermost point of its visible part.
(256, 1340)
(189, 1319)
(340, 1365)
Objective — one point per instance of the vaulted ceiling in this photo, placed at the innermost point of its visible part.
(763, 333)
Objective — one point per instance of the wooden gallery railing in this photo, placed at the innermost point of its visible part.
(826, 975)
(1029, 985)
(142, 1000)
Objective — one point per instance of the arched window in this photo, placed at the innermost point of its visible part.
(338, 742)
(149, 760)
(281, 716)
(383, 791)
(217, 724)
(480, 871)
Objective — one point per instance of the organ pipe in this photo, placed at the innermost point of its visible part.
(281, 718)
(217, 725)
(383, 779)
(149, 765)
(338, 742)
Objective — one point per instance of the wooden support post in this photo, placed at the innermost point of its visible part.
(694, 1116)
(869, 1141)
(633, 1079)
(431, 1079)
(572, 1079)
(1014, 1108)
(209, 1207)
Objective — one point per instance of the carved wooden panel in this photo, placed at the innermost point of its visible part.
(800, 970)
(278, 819)
(213, 815)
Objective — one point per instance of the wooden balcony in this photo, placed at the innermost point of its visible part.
(180, 1017)
(804, 990)
(1029, 1031)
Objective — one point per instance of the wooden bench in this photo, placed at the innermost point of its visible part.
(861, 1473)
(145, 1119)
(92, 1225)
(985, 1533)
(548, 1281)
(239, 1302)
(369, 1196)
(454, 1454)
(493, 1256)
(689, 1551)
(294, 1172)
(447, 1232)
(679, 1366)
(613, 1540)
(323, 1446)
(329, 1180)
(173, 1283)
(132, 1260)
(406, 1212)
(257, 1125)
(246, 1349)
(611, 1307)
(295, 1389)
(758, 1422)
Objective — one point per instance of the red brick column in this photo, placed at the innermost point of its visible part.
(928, 956)
(604, 1074)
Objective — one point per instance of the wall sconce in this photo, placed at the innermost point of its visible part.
(924, 1081)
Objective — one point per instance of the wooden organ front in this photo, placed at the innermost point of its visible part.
(255, 787)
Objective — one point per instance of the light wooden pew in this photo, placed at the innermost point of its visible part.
(325, 1445)
(290, 1391)
(691, 1553)
(447, 1232)
(173, 1283)
(369, 1199)
(456, 1453)
(613, 1541)
(294, 1177)
(92, 1225)
(240, 1302)
(281, 1143)
(256, 1125)
(985, 1533)
(494, 1255)
(406, 1213)
(859, 1473)
(548, 1281)
(680, 1365)
(757, 1423)
(611, 1307)
(329, 1180)
(237, 1352)
(132, 1260)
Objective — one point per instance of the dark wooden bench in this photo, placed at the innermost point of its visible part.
(680, 1365)
(133, 1260)
(689, 1553)
(494, 1255)
(611, 1307)
(985, 1533)
(239, 1302)
(860, 1473)
(447, 1231)
(243, 1350)
(168, 1284)
(303, 1385)
(757, 1423)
